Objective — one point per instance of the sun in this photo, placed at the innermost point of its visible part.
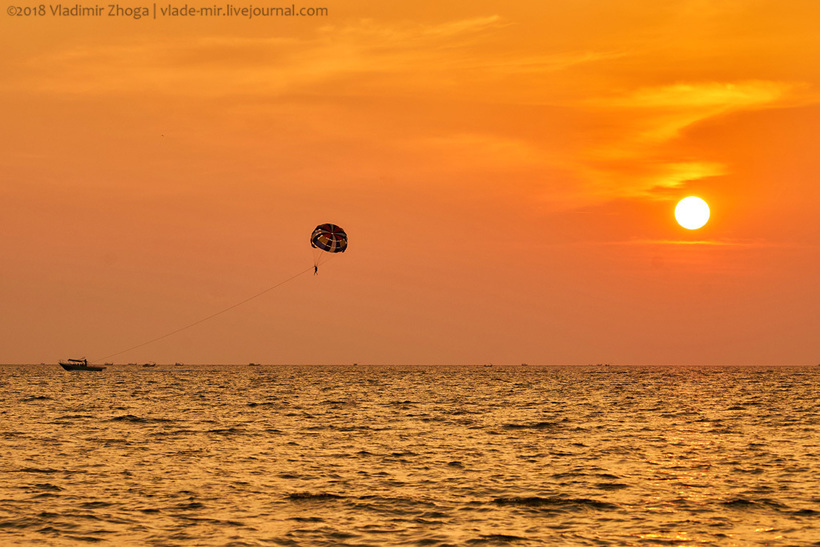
(692, 213)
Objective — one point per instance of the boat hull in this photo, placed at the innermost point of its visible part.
(72, 366)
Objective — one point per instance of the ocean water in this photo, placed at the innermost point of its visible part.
(428, 456)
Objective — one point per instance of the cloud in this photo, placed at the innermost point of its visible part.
(662, 112)
(637, 156)
(705, 94)
(466, 58)
(213, 65)
(737, 244)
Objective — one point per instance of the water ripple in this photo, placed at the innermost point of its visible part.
(382, 456)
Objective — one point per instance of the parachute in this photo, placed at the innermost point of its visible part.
(327, 238)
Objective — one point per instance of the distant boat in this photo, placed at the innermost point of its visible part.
(149, 365)
(78, 364)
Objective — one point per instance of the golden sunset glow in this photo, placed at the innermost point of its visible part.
(692, 213)
(505, 172)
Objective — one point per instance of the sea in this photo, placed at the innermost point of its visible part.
(410, 455)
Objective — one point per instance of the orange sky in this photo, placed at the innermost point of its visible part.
(506, 171)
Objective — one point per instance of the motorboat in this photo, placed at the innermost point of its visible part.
(79, 364)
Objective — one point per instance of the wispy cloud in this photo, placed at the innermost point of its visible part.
(728, 243)
(638, 173)
(547, 63)
(215, 65)
(704, 94)
(662, 112)
(635, 158)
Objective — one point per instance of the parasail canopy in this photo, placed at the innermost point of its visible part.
(329, 238)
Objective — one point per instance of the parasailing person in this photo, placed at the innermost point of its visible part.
(326, 238)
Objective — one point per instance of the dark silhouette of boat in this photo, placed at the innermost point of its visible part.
(78, 364)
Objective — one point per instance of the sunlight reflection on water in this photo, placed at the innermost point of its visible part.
(410, 455)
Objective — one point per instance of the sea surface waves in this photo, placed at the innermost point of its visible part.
(427, 456)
